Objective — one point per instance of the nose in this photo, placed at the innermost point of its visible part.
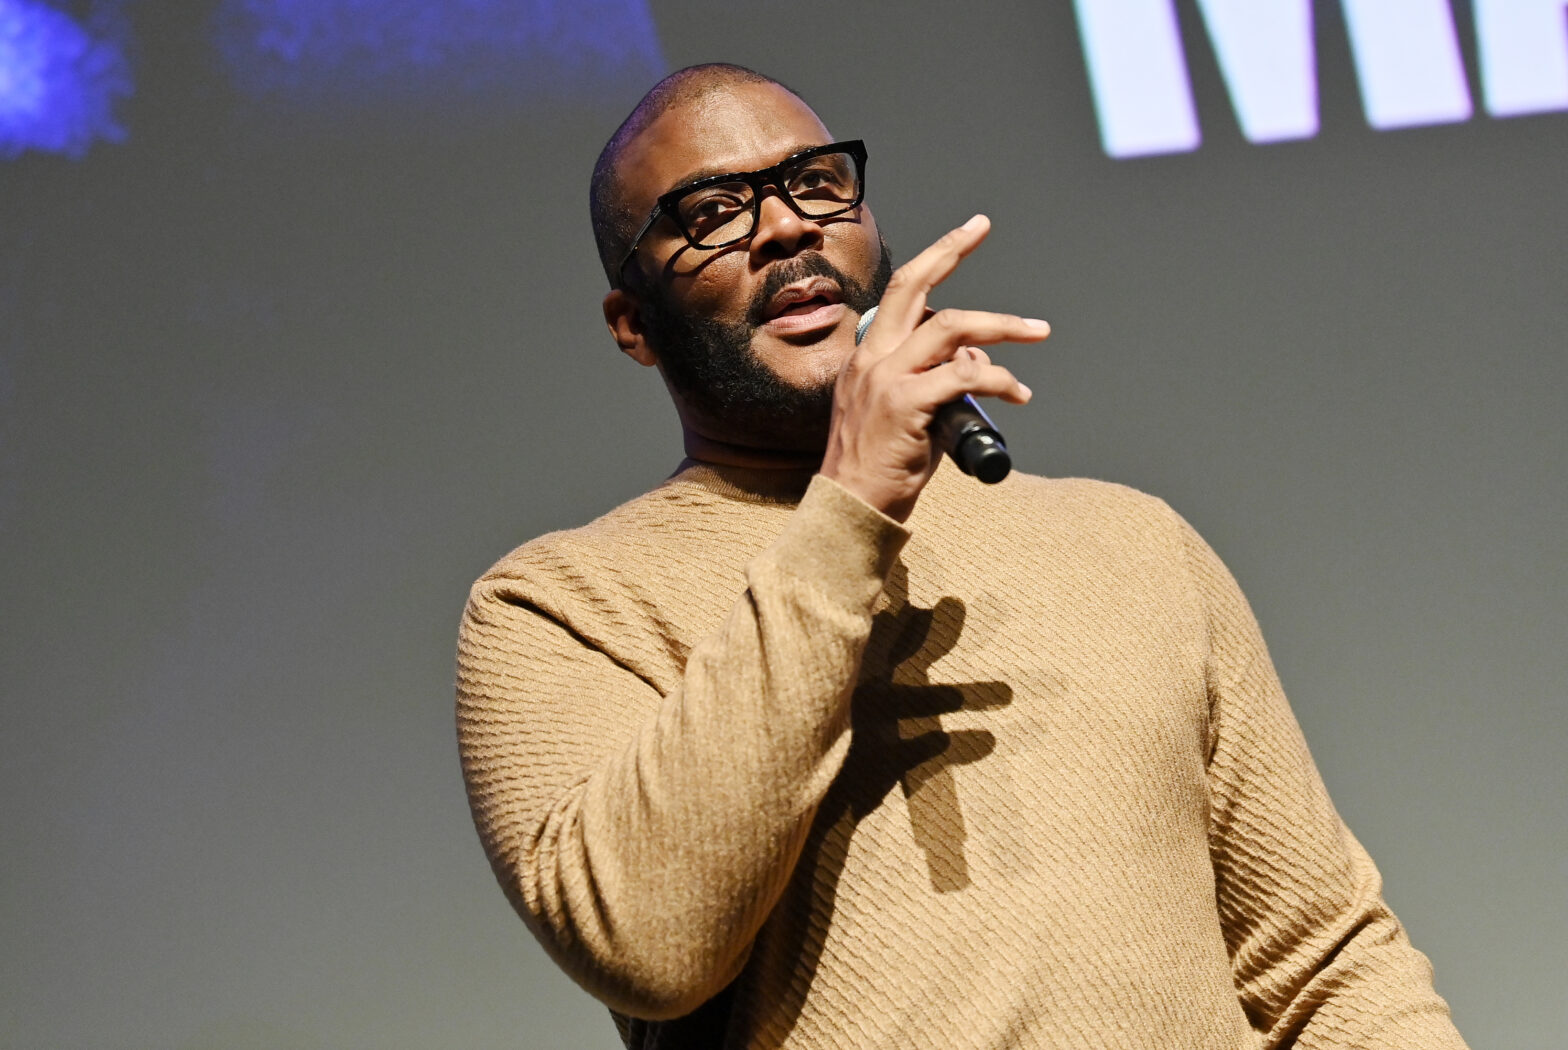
(781, 232)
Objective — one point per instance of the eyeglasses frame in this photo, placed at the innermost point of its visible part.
(757, 180)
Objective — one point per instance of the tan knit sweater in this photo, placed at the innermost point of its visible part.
(1019, 776)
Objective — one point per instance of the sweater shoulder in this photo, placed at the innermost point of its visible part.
(1084, 510)
(637, 558)
(1092, 496)
(640, 528)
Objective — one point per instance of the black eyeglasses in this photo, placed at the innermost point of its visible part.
(719, 210)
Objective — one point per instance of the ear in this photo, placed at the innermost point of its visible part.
(625, 324)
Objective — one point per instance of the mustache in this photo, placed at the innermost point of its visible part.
(810, 264)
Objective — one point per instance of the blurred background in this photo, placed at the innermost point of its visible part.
(300, 331)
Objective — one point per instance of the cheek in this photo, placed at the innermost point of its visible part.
(857, 245)
(711, 283)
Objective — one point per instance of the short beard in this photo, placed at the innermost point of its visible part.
(710, 363)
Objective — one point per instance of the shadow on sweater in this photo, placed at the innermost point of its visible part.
(898, 736)
(896, 741)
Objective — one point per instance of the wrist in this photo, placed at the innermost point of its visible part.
(887, 497)
(841, 542)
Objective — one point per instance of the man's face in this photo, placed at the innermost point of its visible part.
(750, 336)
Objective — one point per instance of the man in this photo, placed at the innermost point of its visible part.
(822, 744)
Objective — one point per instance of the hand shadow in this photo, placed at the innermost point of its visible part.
(896, 739)
(897, 734)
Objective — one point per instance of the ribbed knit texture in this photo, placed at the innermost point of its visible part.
(762, 768)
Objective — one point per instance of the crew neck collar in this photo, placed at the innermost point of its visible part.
(751, 484)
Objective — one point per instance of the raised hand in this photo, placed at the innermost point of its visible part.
(889, 390)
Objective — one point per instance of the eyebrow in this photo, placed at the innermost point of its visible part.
(698, 175)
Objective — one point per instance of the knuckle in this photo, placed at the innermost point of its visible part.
(948, 320)
(899, 395)
(1000, 379)
(871, 378)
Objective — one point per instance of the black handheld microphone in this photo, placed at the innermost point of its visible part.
(962, 430)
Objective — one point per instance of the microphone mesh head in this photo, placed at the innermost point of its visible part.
(863, 324)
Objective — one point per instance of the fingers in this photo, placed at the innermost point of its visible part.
(971, 353)
(917, 339)
(967, 373)
(890, 388)
(904, 303)
(939, 338)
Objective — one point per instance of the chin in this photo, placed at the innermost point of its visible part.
(807, 367)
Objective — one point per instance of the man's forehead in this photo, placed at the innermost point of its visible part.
(732, 128)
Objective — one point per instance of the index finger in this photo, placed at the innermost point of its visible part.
(903, 305)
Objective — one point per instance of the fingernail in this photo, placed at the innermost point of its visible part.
(974, 223)
(1025, 391)
(1035, 322)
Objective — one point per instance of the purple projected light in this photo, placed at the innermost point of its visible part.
(58, 82)
(369, 52)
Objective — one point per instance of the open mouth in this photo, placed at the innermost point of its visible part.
(805, 305)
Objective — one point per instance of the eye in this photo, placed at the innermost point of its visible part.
(714, 207)
(830, 177)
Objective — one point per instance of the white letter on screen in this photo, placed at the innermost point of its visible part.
(1524, 55)
(1407, 59)
(1139, 76)
(1265, 52)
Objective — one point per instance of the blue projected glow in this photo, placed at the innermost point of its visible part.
(365, 52)
(58, 82)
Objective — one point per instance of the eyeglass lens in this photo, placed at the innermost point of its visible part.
(719, 214)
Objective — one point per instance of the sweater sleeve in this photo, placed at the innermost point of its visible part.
(645, 838)
(1319, 959)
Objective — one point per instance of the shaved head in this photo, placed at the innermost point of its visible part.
(614, 223)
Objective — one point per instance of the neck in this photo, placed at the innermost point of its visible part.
(712, 450)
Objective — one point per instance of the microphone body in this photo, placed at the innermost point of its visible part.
(962, 430)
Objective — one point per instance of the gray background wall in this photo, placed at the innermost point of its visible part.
(277, 383)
